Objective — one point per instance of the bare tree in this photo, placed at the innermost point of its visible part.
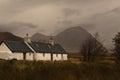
(116, 50)
(92, 49)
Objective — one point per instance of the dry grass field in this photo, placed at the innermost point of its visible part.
(58, 70)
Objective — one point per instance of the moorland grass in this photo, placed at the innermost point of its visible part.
(66, 70)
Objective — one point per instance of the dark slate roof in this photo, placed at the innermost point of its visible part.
(40, 47)
(46, 47)
(57, 48)
(18, 46)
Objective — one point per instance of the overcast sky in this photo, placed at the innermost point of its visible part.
(52, 16)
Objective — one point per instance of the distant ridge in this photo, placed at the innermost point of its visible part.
(38, 37)
(9, 36)
(71, 39)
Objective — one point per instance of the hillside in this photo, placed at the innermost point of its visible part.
(40, 37)
(71, 39)
(9, 36)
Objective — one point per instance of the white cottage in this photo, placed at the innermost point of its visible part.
(27, 50)
(47, 51)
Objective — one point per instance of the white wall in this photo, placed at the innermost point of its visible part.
(65, 56)
(57, 57)
(29, 56)
(6, 56)
(4, 48)
(47, 56)
(5, 52)
(18, 56)
(40, 56)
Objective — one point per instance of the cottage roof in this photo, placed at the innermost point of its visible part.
(46, 47)
(40, 47)
(56, 48)
(18, 46)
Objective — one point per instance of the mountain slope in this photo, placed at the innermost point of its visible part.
(9, 36)
(71, 39)
(40, 37)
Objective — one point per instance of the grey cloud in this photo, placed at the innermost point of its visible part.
(65, 22)
(22, 24)
(115, 9)
(107, 13)
(14, 7)
(67, 19)
(89, 26)
(14, 26)
(41, 30)
(70, 12)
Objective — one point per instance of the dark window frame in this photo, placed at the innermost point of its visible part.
(56, 55)
(43, 54)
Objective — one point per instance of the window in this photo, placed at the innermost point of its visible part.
(43, 54)
(29, 54)
(62, 56)
(56, 55)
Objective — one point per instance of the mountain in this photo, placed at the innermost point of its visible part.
(71, 39)
(9, 36)
(39, 37)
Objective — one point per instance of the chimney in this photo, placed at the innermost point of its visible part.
(51, 41)
(27, 38)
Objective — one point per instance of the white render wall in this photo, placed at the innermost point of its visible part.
(65, 56)
(4, 48)
(29, 56)
(5, 52)
(40, 56)
(43, 56)
(6, 56)
(57, 57)
(18, 56)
